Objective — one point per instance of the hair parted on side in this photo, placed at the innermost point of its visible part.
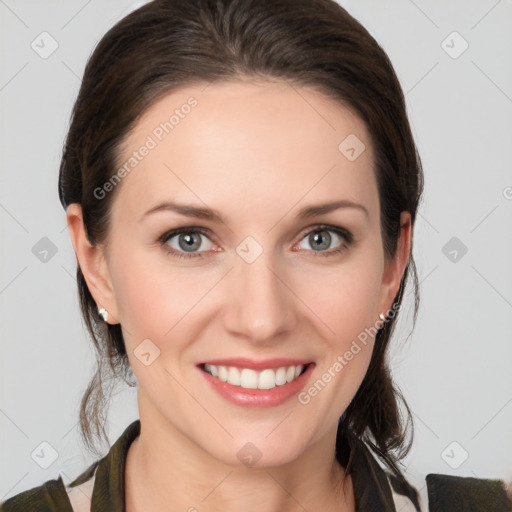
(168, 44)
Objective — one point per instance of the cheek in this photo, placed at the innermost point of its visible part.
(344, 297)
(154, 299)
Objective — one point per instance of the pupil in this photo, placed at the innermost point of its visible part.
(189, 242)
(318, 237)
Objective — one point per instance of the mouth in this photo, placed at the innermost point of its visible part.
(249, 378)
(263, 384)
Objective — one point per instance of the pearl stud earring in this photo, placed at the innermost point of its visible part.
(103, 313)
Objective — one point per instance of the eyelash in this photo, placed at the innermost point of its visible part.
(163, 239)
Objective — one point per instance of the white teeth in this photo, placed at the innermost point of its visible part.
(223, 373)
(267, 379)
(252, 379)
(233, 376)
(281, 376)
(247, 380)
(211, 369)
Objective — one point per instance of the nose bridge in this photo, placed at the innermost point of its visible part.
(260, 304)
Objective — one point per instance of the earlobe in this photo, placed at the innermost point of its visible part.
(92, 261)
(395, 268)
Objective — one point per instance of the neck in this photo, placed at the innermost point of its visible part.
(166, 471)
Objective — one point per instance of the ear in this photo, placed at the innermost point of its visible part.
(93, 263)
(395, 268)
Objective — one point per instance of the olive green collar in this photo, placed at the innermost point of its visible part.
(371, 485)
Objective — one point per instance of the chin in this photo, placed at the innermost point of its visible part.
(260, 451)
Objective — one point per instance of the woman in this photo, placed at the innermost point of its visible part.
(241, 185)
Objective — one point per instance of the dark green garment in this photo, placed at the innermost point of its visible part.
(372, 490)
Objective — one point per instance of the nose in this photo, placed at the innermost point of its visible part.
(260, 306)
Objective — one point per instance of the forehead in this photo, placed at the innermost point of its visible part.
(240, 144)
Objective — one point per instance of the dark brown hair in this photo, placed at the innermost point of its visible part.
(168, 44)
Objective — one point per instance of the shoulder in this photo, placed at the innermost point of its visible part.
(457, 493)
(50, 496)
(55, 495)
(448, 493)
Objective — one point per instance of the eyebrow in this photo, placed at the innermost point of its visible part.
(213, 215)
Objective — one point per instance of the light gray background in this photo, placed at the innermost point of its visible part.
(454, 370)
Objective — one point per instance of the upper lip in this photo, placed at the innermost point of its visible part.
(253, 364)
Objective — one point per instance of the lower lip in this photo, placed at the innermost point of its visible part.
(258, 398)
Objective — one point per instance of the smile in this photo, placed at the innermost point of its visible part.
(248, 378)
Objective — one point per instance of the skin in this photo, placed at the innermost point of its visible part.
(258, 152)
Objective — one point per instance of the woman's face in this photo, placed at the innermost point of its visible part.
(258, 285)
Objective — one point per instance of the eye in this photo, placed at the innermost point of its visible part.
(185, 242)
(321, 239)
